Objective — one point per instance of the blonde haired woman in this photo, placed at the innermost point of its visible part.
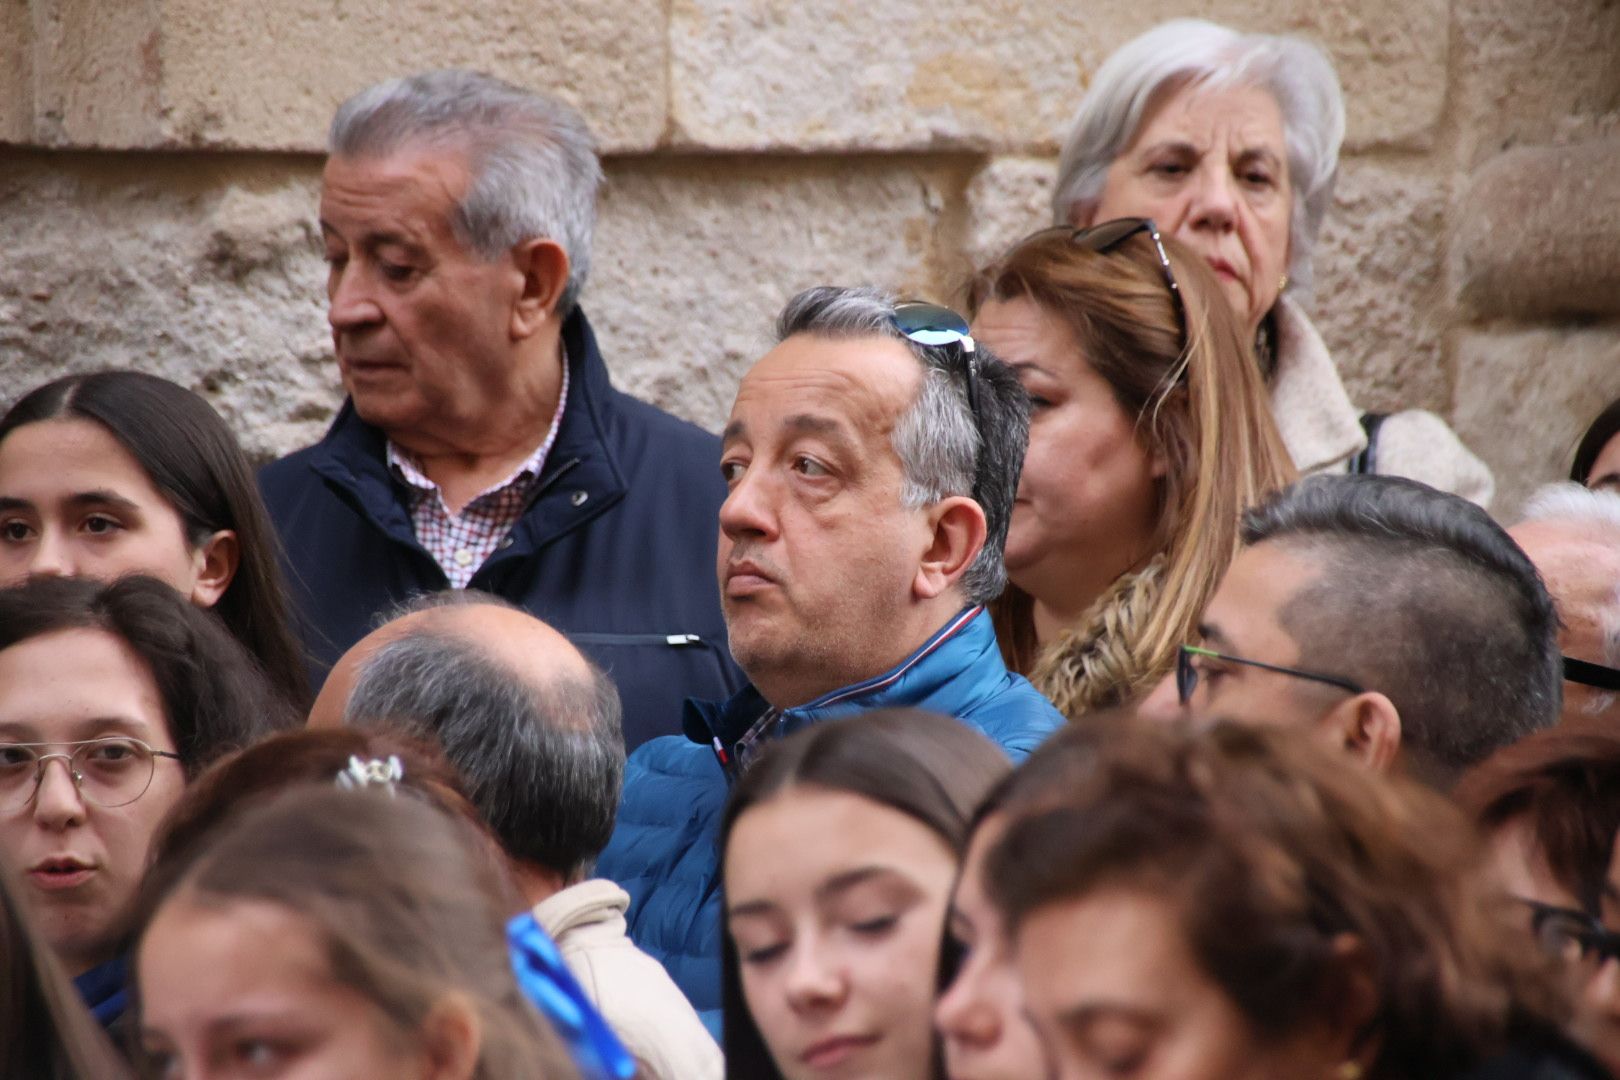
(1150, 433)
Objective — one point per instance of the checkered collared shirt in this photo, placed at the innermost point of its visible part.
(460, 543)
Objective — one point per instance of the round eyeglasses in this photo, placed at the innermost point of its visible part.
(107, 772)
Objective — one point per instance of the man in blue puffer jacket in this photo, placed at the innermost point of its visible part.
(872, 458)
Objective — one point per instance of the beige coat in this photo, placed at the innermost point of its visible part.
(633, 991)
(1323, 429)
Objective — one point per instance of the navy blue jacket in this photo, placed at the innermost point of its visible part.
(616, 549)
(664, 850)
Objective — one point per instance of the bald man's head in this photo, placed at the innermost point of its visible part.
(533, 727)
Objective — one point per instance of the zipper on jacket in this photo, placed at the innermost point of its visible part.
(677, 640)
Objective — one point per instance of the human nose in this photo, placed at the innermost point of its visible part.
(57, 799)
(1602, 991)
(747, 511)
(52, 556)
(1213, 203)
(350, 303)
(963, 1015)
(814, 980)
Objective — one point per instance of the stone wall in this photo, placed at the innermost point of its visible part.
(159, 162)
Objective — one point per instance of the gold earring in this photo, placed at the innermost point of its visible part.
(1282, 283)
(1350, 1070)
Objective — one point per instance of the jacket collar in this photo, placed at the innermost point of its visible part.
(966, 642)
(1318, 423)
(353, 454)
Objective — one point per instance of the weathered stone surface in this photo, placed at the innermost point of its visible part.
(1525, 396)
(1007, 200)
(695, 260)
(201, 73)
(1523, 72)
(752, 75)
(1380, 290)
(212, 276)
(16, 71)
(1538, 233)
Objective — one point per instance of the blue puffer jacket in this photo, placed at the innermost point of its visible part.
(664, 850)
(616, 548)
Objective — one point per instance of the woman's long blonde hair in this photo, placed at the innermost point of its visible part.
(1199, 401)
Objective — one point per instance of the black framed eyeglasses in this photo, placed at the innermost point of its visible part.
(1572, 935)
(1187, 674)
(935, 326)
(107, 772)
(1108, 235)
(1589, 674)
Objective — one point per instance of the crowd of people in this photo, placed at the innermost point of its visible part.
(1076, 686)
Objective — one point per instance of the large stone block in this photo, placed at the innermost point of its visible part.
(267, 76)
(208, 274)
(1538, 234)
(696, 258)
(1525, 72)
(1007, 200)
(1380, 298)
(765, 75)
(1525, 396)
(16, 71)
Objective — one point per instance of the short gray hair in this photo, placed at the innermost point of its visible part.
(936, 439)
(533, 161)
(1297, 74)
(543, 762)
(1597, 512)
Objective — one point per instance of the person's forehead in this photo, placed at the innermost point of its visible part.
(865, 381)
(1245, 614)
(425, 178)
(1196, 112)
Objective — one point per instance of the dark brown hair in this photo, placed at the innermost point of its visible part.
(305, 756)
(398, 893)
(1196, 395)
(931, 768)
(215, 697)
(46, 1033)
(1272, 848)
(1564, 785)
(193, 458)
(1605, 427)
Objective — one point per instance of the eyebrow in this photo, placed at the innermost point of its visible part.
(1081, 1016)
(372, 238)
(102, 497)
(1607, 480)
(24, 731)
(733, 430)
(1211, 634)
(825, 427)
(838, 883)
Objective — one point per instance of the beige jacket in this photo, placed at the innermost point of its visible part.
(1323, 429)
(633, 991)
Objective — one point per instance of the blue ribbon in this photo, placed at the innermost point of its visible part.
(546, 981)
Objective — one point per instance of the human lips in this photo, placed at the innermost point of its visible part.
(831, 1052)
(1223, 269)
(744, 577)
(60, 872)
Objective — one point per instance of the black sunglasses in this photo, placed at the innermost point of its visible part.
(1187, 675)
(1108, 235)
(1590, 674)
(1570, 934)
(935, 327)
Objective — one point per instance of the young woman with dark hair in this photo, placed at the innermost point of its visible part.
(45, 1031)
(389, 958)
(119, 472)
(1238, 902)
(838, 849)
(132, 691)
(1597, 458)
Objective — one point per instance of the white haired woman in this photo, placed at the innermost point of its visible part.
(1230, 142)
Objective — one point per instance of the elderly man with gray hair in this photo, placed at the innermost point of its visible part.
(1572, 534)
(872, 459)
(482, 444)
(533, 729)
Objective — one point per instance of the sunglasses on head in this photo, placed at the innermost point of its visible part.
(1108, 235)
(934, 326)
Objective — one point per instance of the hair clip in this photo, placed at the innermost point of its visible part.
(372, 772)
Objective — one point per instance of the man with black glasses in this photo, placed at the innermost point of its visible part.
(871, 458)
(1399, 620)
